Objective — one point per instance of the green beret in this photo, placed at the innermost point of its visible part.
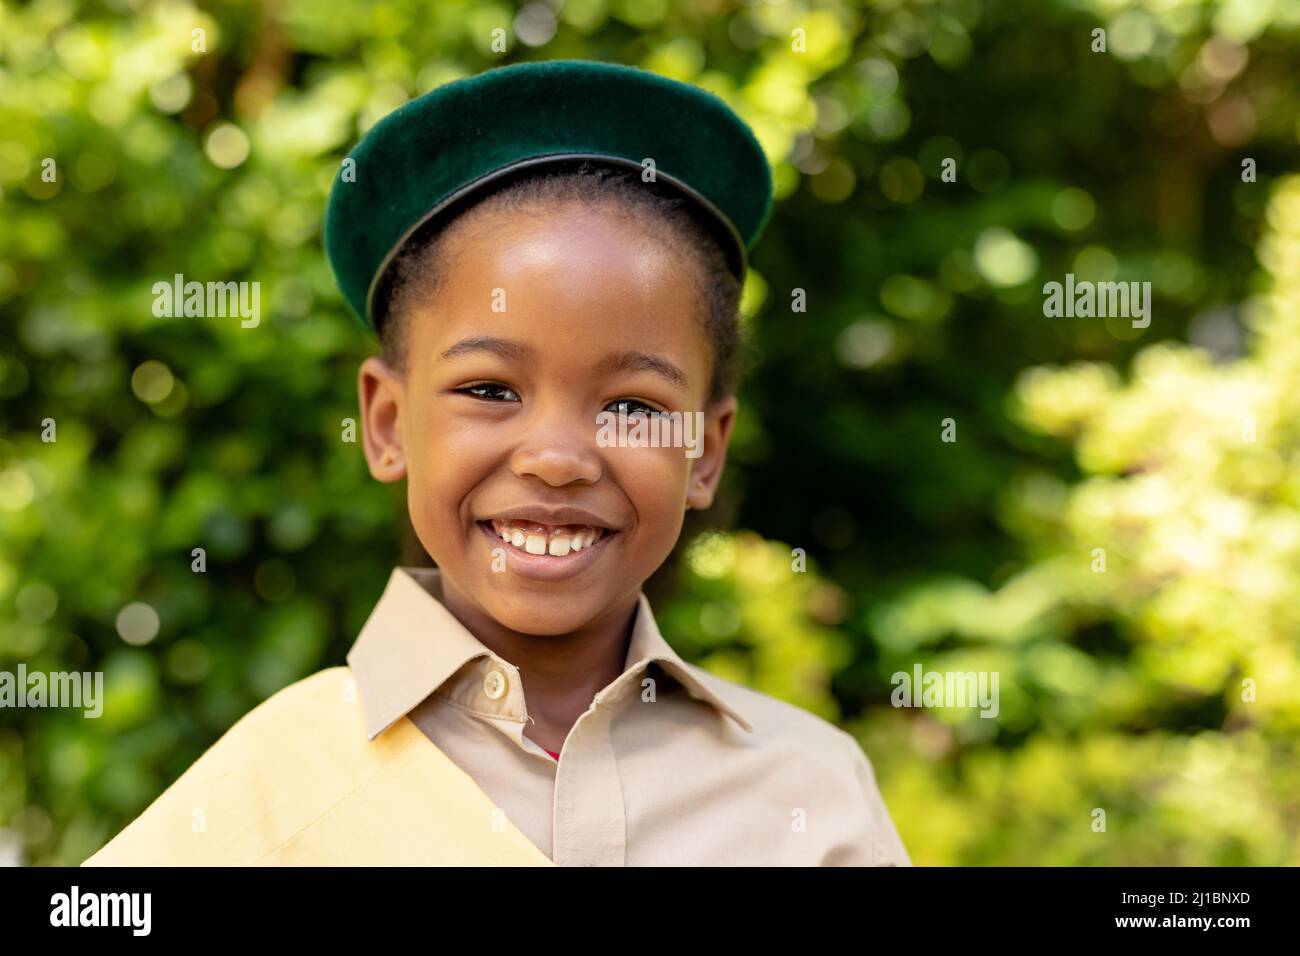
(430, 156)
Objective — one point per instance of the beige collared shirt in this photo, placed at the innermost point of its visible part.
(670, 765)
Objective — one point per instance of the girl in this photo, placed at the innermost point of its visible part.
(537, 248)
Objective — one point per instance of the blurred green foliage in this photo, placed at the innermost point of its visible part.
(1162, 689)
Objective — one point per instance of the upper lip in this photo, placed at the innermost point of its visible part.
(541, 514)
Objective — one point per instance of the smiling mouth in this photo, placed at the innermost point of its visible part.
(531, 537)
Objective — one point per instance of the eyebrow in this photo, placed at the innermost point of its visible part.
(641, 362)
(627, 361)
(505, 348)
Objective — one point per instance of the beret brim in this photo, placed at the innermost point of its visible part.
(440, 150)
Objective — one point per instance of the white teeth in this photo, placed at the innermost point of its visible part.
(557, 541)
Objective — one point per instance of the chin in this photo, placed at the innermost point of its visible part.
(542, 614)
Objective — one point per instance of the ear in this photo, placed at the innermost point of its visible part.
(380, 389)
(706, 471)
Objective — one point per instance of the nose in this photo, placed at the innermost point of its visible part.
(559, 451)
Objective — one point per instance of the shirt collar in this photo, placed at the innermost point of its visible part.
(411, 645)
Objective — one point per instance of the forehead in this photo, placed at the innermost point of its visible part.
(573, 281)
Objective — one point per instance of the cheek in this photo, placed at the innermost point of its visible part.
(654, 479)
(446, 460)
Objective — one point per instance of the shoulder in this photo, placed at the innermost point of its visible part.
(326, 697)
(315, 715)
(802, 759)
(779, 725)
(298, 747)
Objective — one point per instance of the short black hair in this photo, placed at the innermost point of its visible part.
(417, 272)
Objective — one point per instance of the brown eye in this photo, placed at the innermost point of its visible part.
(630, 406)
(490, 392)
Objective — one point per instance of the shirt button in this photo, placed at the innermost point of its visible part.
(494, 685)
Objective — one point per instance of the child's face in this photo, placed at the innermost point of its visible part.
(544, 322)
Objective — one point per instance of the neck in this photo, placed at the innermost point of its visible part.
(561, 673)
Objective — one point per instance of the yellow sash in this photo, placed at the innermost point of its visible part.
(296, 783)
